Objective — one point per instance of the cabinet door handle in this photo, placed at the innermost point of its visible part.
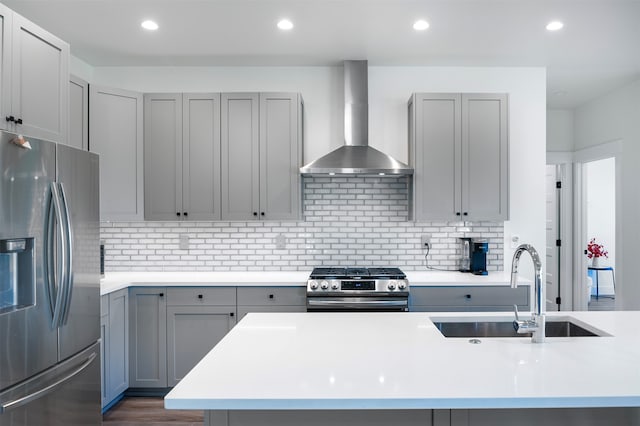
(231, 314)
(11, 118)
(457, 213)
(271, 296)
(19, 121)
(177, 213)
(261, 213)
(255, 213)
(200, 296)
(161, 294)
(465, 214)
(467, 296)
(185, 214)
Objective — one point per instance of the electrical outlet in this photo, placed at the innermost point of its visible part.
(183, 242)
(281, 242)
(425, 241)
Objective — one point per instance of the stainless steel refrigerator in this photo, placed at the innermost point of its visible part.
(49, 284)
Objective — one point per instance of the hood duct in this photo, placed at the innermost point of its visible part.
(356, 157)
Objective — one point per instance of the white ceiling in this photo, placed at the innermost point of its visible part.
(598, 49)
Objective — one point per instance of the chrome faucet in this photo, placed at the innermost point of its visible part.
(536, 324)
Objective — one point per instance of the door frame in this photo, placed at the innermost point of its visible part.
(580, 157)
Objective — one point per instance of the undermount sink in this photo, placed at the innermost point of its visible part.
(561, 327)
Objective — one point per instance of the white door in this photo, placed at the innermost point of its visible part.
(553, 235)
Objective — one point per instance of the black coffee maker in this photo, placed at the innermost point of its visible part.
(473, 255)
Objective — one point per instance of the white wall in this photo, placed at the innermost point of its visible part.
(81, 69)
(560, 136)
(616, 116)
(389, 90)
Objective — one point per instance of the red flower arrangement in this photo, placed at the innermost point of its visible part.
(596, 250)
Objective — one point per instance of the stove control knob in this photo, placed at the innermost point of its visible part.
(334, 285)
(391, 285)
(313, 284)
(402, 285)
(324, 285)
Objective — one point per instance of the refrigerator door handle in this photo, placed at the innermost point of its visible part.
(18, 402)
(54, 275)
(68, 246)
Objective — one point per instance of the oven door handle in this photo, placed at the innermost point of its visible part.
(343, 302)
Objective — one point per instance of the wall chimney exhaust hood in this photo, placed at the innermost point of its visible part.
(356, 157)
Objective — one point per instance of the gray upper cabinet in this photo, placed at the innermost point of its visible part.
(458, 145)
(115, 132)
(182, 156)
(485, 156)
(34, 80)
(240, 162)
(280, 155)
(162, 156)
(261, 154)
(5, 66)
(78, 113)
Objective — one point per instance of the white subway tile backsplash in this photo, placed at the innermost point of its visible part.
(347, 221)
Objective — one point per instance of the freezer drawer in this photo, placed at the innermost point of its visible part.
(67, 394)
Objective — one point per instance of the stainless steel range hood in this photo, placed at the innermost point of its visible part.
(356, 157)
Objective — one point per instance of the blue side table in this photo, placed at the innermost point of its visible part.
(593, 273)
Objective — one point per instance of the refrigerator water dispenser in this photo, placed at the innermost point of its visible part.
(17, 274)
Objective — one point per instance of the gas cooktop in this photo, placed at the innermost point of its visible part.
(358, 273)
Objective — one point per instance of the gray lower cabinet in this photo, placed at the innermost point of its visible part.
(172, 328)
(261, 152)
(271, 299)
(34, 79)
(115, 132)
(104, 338)
(147, 337)
(468, 298)
(114, 325)
(459, 147)
(197, 319)
(182, 156)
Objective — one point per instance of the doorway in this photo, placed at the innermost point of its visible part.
(599, 185)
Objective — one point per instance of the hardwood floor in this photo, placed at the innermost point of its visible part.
(139, 411)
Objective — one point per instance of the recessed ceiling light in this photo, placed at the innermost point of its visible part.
(149, 25)
(554, 26)
(420, 25)
(285, 24)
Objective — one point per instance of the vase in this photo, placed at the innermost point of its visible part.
(595, 262)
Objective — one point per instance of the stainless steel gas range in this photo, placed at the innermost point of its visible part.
(357, 289)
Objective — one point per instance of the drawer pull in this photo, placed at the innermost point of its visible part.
(200, 296)
(231, 314)
(161, 294)
(467, 296)
(271, 296)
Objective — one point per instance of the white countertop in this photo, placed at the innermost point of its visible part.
(401, 361)
(114, 281)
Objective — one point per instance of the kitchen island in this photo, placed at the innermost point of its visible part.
(398, 368)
